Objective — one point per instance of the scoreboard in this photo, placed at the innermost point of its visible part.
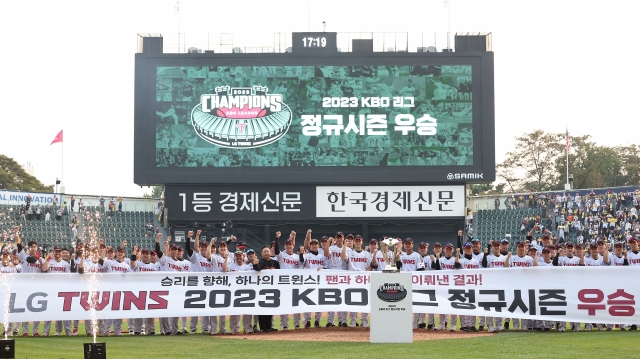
(314, 116)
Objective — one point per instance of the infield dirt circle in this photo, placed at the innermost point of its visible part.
(357, 334)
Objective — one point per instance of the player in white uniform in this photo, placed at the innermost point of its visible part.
(31, 263)
(10, 264)
(117, 265)
(410, 263)
(568, 260)
(59, 265)
(217, 260)
(238, 265)
(495, 260)
(618, 258)
(359, 260)
(91, 265)
(595, 260)
(446, 262)
(143, 263)
(335, 262)
(521, 259)
(420, 319)
(287, 260)
(167, 257)
(468, 261)
(313, 258)
(478, 254)
(200, 262)
(186, 267)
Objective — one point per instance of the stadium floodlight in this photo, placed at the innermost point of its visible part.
(237, 50)
(193, 50)
(431, 49)
(288, 49)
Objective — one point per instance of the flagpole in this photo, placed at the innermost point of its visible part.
(566, 147)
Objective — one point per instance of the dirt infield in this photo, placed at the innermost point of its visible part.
(348, 335)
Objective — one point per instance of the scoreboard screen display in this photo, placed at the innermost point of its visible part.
(296, 119)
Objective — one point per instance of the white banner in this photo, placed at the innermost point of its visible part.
(390, 201)
(15, 197)
(576, 294)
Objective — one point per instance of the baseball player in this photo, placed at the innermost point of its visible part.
(217, 260)
(266, 263)
(410, 262)
(420, 319)
(312, 258)
(618, 258)
(117, 265)
(186, 267)
(58, 265)
(448, 262)
(92, 265)
(521, 259)
(142, 263)
(200, 262)
(167, 257)
(335, 262)
(568, 260)
(597, 257)
(495, 260)
(31, 263)
(633, 258)
(359, 260)
(467, 261)
(11, 265)
(238, 265)
(478, 254)
(287, 260)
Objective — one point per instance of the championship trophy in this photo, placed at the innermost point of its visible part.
(390, 255)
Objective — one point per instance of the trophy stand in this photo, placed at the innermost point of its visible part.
(391, 300)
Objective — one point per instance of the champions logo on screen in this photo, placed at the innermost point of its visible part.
(241, 117)
(391, 292)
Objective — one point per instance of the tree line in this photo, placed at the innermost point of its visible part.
(538, 163)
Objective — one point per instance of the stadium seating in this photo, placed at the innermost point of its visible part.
(492, 224)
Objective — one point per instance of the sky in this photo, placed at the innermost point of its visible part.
(70, 65)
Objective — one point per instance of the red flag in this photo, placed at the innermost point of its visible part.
(57, 139)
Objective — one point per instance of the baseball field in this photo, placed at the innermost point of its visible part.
(342, 343)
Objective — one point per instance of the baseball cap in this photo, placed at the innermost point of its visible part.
(324, 239)
(475, 240)
(448, 245)
(250, 251)
(339, 234)
(408, 240)
(600, 242)
(495, 243)
(121, 249)
(180, 249)
(239, 253)
(422, 244)
(546, 249)
(437, 244)
(504, 240)
(288, 241)
(57, 248)
(223, 243)
(569, 244)
(578, 245)
(350, 235)
(520, 243)
(313, 240)
(533, 249)
(241, 244)
(204, 244)
(173, 247)
(467, 245)
(109, 250)
(632, 239)
(618, 243)
(144, 250)
(373, 240)
(153, 253)
(594, 245)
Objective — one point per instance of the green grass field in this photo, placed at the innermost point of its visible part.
(509, 344)
(503, 345)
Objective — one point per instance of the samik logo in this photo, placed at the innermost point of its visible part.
(391, 292)
(452, 176)
(241, 117)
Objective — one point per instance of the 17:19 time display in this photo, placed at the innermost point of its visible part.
(314, 41)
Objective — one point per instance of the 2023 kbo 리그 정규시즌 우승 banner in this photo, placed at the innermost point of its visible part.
(543, 293)
(275, 116)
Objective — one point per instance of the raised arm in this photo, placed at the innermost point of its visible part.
(344, 255)
(158, 251)
(307, 239)
(506, 262)
(187, 246)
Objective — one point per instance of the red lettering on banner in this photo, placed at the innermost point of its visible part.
(624, 307)
(115, 304)
(585, 296)
(140, 301)
(157, 297)
(68, 298)
(99, 305)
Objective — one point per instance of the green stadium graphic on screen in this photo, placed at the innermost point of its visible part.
(288, 116)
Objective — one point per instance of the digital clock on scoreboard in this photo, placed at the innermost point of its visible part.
(314, 42)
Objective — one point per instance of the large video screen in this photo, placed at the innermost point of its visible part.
(284, 116)
(297, 119)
